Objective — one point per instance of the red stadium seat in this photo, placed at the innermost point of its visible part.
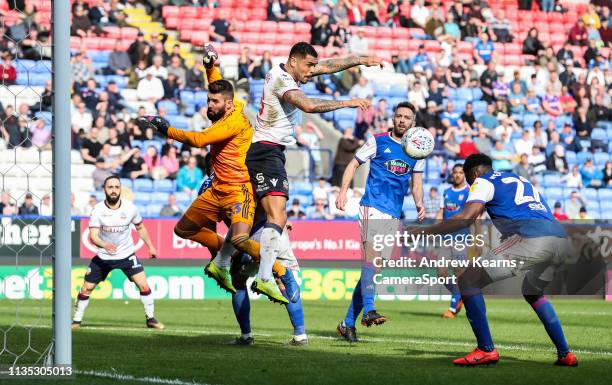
(285, 27)
(172, 22)
(268, 38)
(401, 33)
(129, 33)
(465, 46)
(432, 46)
(258, 13)
(287, 39)
(185, 35)
(370, 31)
(206, 13)
(92, 43)
(112, 32)
(269, 26)
(252, 26)
(302, 27)
(188, 12)
(106, 43)
(250, 38)
(171, 10)
(229, 48)
(188, 24)
(413, 45)
(400, 44)
(201, 24)
(238, 24)
(75, 42)
(199, 38)
(513, 49)
(382, 44)
(384, 32)
(226, 3)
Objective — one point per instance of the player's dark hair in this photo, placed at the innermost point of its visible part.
(476, 160)
(408, 105)
(302, 49)
(114, 176)
(457, 165)
(222, 87)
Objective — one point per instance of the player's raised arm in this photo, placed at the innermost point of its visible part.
(333, 65)
(315, 105)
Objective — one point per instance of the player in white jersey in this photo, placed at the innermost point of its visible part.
(110, 228)
(274, 129)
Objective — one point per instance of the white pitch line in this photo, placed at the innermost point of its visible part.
(369, 339)
(128, 377)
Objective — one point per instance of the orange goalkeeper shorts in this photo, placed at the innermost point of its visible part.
(234, 202)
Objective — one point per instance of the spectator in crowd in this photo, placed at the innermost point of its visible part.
(433, 201)
(583, 215)
(451, 28)
(340, 35)
(572, 208)
(582, 125)
(7, 204)
(320, 211)
(607, 174)
(154, 164)
(135, 167)
(558, 212)
(277, 10)
(568, 103)
(382, 116)
(172, 87)
(119, 61)
(310, 137)
(524, 144)
(467, 147)
(8, 71)
(170, 162)
(421, 61)
(91, 147)
(419, 14)
(402, 64)
(532, 44)
(483, 141)
(189, 177)
(434, 27)
(13, 132)
(502, 158)
(150, 88)
(102, 171)
(295, 212)
(194, 78)
(524, 168)
(200, 120)
(245, 64)
(372, 11)
(91, 203)
(450, 117)
(321, 31)
(517, 99)
(40, 135)
(171, 209)
(501, 27)
(578, 34)
(321, 190)
(429, 118)
(157, 68)
(81, 24)
(220, 28)
(363, 89)
(345, 152)
(538, 160)
(557, 161)
(81, 69)
(532, 102)
(74, 211)
(139, 48)
(418, 95)
(484, 48)
(551, 102)
(489, 120)
(176, 68)
(358, 44)
(591, 176)
(262, 66)
(28, 207)
(487, 78)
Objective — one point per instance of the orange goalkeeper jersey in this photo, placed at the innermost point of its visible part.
(229, 140)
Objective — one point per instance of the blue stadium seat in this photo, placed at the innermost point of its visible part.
(570, 156)
(153, 210)
(562, 119)
(159, 197)
(136, 143)
(183, 198)
(592, 207)
(170, 106)
(142, 199)
(480, 106)
(590, 194)
(606, 124)
(464, 94)
(555, 194)
(530, 119)
(187, 97)
(601, 158)
(476, 94)
(605, 194)
(163, 185)
(201, 98)
(552, 180)
(190, 110)
(582, 157)
(309, 87)
(178, 121)
(599, 134)
(143, 185)
(346, 123)
(397, 91)
(45, 115)
(100, 80)
(605, 204)
(345, 114)
(453, 92)
(120, 80)
(126, 182)
(155, 143)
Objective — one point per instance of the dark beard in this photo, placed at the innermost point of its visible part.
(112, 201)
(214, 117)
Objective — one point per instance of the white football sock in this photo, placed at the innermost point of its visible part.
(245, 335)
(223, 259)
(269, 251)
(149, 307)
(300, 337)
(81, 305)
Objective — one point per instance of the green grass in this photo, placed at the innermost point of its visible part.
(414, 347)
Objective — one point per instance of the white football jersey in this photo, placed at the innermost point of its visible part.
(116, 227)
(276, 119)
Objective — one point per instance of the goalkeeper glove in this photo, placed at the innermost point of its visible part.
(210, 56)
(160, 124)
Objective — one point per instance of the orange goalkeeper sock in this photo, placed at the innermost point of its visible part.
(209, 239)
(278, 269)
(251, 247)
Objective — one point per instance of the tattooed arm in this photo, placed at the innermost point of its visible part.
(314, 105)
(330, 66)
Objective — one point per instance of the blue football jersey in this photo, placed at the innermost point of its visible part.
(390, 171)
(454, 200)
(514, 205)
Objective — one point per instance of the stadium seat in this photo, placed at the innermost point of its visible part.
(570, 156)
(154, 209)
(605, 194)
(170, 106)
(128, 183)
(582, 157)
(163, 185)
(599, 134)
(590, 194)
(159, 197)
(178, 121)
(155, 143)
(143, 185)
(142, 200)
(601, 158)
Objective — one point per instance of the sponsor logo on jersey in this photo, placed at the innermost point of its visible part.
(285, 184)
(397, 166)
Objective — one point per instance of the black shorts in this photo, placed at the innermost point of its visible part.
(99, 268)
(266, 164)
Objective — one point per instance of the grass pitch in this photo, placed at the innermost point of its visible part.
(416, 346)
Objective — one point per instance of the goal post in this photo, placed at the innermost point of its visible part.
(62, 258)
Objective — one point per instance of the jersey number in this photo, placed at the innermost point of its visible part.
(134, 260)
(520, 197)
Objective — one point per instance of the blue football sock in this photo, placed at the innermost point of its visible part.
(242, 309)
(547, 315)
(476, 312)
(355, 307)
(367, 286)
(296, 315)
(455, 296)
